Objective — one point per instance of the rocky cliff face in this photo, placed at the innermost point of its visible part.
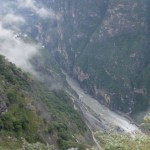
(31, 111)
(104, 44)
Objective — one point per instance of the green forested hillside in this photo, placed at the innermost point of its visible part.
(29, 110)
(114, 141)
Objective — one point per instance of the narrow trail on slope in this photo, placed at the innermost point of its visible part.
(96, 142)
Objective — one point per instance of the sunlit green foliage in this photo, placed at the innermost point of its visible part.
(146, 123)
(27, 102)
(114, 141)
(35, 146)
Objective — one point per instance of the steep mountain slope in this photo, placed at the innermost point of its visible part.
(105, 46)
(29, 110)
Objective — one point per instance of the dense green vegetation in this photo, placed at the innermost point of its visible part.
(121, 141)
(66, 124)
(113, 141)
(146, 123)
(35, 146)
(32, 110)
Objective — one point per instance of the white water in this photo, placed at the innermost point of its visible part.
(110, 118)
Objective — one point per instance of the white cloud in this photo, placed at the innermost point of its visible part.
(16, 50)
(41, 11)
(12, 19)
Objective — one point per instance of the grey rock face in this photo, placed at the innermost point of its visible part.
(104, 44)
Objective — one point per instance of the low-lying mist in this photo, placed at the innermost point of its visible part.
(16, 50)
(12, 46)
(17, 47)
